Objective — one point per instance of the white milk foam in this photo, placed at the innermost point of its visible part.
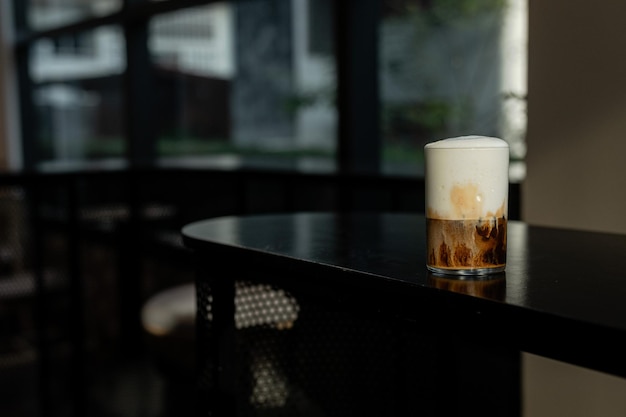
(467, 177)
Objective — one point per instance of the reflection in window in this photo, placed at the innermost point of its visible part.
(448, 68)
(240, 79)
(45, 14)
(74, 44)
(91, 54)
(78, 95)
(192, 56)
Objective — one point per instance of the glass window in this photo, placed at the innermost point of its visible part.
(77, 96)
(449, 68)
(245, 82)
(45, 14)
(255, 80)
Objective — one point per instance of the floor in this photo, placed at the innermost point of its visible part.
(133, 388)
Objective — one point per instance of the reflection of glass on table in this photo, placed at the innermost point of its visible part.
(493, 287)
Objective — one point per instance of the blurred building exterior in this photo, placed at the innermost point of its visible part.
(463, 74)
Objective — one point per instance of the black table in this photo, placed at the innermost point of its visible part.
(368, 307)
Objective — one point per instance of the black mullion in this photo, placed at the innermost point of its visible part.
(30, 151)
(19, 15)
(356, 39)
(133, 11)
(141, 138)
(139, 88)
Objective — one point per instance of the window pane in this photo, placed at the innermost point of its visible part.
(45, 14)
(78, 96)
(449, 68)
(246, 82)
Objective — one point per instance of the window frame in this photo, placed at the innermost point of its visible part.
(358, 130)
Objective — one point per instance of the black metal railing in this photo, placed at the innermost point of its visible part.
(81, 251)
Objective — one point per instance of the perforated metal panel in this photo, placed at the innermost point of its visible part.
(295, 357)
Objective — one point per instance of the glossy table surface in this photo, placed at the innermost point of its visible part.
(563, 294)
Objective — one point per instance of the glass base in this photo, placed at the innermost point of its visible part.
(465, 271)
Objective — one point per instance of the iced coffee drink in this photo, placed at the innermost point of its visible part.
(467, 187)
